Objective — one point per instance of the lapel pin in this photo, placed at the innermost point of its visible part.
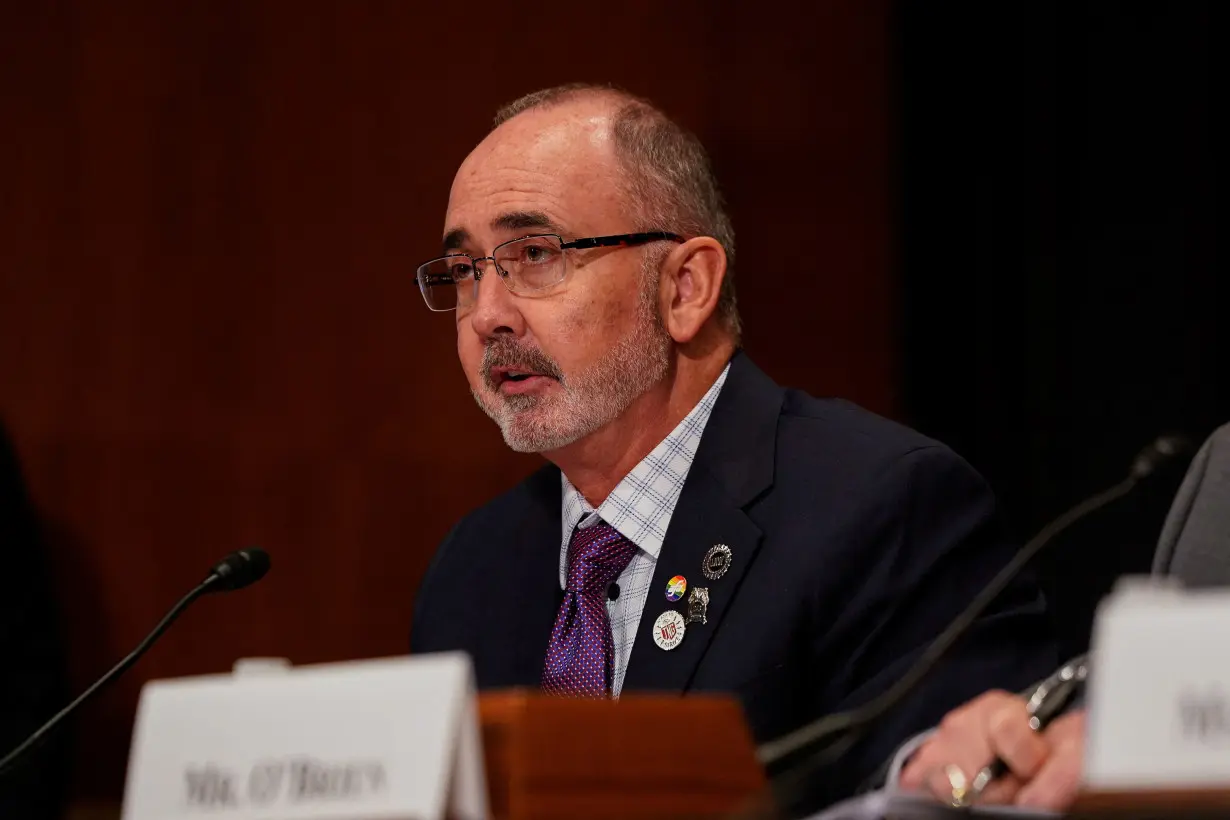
(668, 630)
(675, 588)
(717, 561)
(698, 605)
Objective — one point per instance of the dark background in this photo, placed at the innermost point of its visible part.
(1062, 222)
(997, 222)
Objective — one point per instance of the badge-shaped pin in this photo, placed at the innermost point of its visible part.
(717, 561)
(668, 630)
(698, 606)
(675, 588)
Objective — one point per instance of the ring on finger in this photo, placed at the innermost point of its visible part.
(958, 784)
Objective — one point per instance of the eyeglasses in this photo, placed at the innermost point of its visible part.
(525, 265)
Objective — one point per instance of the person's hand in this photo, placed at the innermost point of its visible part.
(1044, 769)
(1059, 778)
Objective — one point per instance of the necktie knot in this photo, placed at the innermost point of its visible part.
(597, 556)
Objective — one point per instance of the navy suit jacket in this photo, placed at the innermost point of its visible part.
(855, 541)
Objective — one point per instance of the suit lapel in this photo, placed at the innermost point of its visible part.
(733, 466)
(703, 518)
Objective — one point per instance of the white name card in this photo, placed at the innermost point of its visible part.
(389, 739)
(1159, 689)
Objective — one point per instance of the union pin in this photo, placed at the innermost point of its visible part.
(668, 630)
(717, 561)
(698, 606)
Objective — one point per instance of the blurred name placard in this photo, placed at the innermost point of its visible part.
(393, 738)
(1159, 690)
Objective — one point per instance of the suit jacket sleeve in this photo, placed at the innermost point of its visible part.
(934, 540)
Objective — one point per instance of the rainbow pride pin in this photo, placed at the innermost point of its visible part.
(675, 588)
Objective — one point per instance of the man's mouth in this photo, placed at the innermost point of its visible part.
(509, 380)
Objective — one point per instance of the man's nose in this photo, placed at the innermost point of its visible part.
(495, 308)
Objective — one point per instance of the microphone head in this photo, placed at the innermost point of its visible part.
(238, 570)
(1158, 453)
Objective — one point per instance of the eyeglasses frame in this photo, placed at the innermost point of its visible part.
(611, 241)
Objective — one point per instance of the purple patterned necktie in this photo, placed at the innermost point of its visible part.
(581, 656)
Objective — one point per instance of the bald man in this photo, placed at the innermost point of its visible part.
(696, 527)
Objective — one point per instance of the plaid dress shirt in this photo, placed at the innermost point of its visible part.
(640, 508)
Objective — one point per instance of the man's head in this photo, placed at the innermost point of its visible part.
(562, 340)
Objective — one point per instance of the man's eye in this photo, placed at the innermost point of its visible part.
(461, 271)
(537, 254)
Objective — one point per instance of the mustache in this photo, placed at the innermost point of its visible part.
(506, 352)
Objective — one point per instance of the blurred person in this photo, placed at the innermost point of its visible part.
(1044, 768)
(32, 673)
(698, 527)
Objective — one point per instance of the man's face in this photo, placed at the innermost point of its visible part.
(552, 366)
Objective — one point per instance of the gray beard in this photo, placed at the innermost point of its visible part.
(589, 400)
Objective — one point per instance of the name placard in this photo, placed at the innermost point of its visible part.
(1159, 690)
(386, 739)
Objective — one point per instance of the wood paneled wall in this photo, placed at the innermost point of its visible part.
(210, 334)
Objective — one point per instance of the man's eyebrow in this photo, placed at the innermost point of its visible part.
(457, 238)
(454, 239)
(525, 220)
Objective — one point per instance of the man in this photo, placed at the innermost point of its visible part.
(1044, 768)
(32, 680)
(698, 528)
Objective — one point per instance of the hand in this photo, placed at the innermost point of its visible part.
(1044, 769)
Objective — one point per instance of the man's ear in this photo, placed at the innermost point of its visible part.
(690, 285)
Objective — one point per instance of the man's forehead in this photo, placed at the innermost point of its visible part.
(549, 163)
(563, 129)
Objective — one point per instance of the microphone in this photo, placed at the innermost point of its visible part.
(1158, 453)
(612, 592)
(844, 728)
(235, 571)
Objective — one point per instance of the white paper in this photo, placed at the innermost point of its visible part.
(370, 740)
(1159, 690)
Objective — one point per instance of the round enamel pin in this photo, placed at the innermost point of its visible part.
(717, 561)
(675, 588)
(668, 630)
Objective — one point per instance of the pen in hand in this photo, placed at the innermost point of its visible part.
(1047, 702)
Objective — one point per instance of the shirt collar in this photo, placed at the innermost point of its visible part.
(641, 505)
